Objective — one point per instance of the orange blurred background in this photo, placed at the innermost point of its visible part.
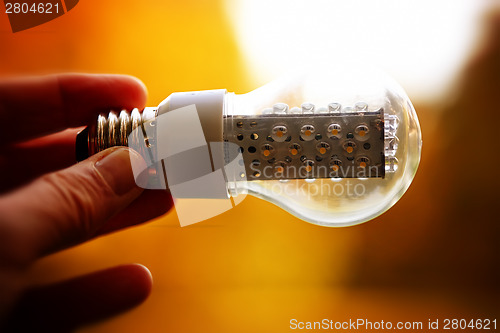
(436, 253)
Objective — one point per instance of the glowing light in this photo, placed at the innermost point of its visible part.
(422, 44)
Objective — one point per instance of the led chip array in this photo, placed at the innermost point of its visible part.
(315, 142)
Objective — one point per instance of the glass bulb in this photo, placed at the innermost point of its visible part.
(334, 147)
(357, 126)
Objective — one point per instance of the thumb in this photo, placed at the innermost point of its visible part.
(67, 207)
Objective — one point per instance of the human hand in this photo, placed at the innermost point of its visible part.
(44, 210)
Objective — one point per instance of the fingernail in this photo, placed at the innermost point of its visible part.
(116, 170)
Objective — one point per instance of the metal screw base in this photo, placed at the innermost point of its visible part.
(110, 131)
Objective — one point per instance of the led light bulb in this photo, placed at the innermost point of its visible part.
(332, 147)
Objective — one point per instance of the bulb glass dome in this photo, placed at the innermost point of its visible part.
(357, 125)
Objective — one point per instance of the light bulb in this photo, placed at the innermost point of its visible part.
(334, 147)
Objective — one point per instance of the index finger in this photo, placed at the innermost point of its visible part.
(35, 106)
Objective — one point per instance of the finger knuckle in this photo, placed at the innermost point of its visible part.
(80, 196)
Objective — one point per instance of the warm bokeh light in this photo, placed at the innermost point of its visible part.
(255, 267)
(415, 41)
